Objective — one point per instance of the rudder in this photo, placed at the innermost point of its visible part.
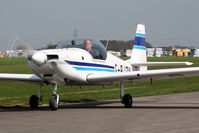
(139, 48)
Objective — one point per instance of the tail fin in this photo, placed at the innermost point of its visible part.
(139, 48)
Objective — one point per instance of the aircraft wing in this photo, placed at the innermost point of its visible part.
(21, 77)
(143, 75)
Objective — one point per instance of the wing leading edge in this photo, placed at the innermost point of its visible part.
(143, 75)
(21, 77)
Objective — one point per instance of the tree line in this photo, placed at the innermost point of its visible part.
(115, 45)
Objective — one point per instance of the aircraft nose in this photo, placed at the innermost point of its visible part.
(39, 58)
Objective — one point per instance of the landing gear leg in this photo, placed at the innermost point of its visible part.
(125, 98)
(40, 93)
(34, 100)
(54, 99)
(121, 90)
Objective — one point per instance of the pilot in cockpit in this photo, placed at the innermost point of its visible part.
(88, 47)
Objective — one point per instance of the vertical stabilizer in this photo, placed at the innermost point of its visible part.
(139, 48)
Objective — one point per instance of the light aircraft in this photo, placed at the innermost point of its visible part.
(71, 64)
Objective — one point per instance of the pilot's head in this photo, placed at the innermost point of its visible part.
(88, 45)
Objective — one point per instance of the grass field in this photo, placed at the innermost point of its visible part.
(15, 93)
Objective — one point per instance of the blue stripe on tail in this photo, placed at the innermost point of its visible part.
(140, 41)
(139, 47)
(140, 35)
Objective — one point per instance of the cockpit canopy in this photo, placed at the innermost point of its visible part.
(97, 47)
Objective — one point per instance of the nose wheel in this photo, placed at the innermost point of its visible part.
(54, 102)
(54, 99)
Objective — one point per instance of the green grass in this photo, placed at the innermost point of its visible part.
(16, 93)
(14, 65)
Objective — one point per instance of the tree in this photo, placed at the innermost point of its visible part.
(118, 45)
(22, 47)
(51, 45)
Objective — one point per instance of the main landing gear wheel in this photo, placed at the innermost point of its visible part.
(127, 101)
(54, 102)
(34, 102)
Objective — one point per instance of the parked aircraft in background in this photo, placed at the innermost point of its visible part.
(72, 63)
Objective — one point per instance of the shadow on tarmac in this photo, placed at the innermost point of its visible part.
(105, 105)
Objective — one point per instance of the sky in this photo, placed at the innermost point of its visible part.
(37, 22)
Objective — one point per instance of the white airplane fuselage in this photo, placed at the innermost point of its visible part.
(72, 65)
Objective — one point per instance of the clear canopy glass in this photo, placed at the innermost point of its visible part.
(97, 47)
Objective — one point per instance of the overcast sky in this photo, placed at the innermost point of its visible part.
(36, 22)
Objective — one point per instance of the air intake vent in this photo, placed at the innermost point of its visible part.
(48, 75)
(51, 57)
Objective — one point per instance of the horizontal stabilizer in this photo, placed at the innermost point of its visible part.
(162, 63)
(143, 75)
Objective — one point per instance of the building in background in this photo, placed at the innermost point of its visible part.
(150, 52)
(196, 53)
(18, 53)
(2, 54)
(181, 52)
(128, 52)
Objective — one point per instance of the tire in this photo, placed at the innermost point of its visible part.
(33, 102)
(53, 104)
(127, 101)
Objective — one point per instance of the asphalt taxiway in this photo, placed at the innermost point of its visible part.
(154, 114)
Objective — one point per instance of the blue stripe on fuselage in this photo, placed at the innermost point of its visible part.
(92, 69)
(88, 64)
